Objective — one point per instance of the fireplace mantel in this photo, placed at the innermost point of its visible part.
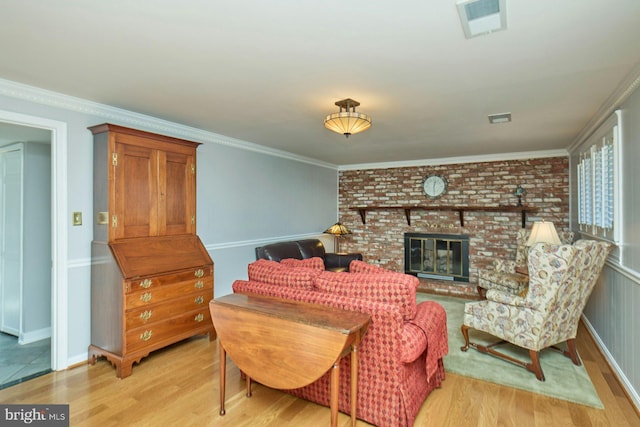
(362, 210)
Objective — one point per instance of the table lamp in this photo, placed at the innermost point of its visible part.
(543, 232)
(338, 230)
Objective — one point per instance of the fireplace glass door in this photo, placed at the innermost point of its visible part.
(437, 256)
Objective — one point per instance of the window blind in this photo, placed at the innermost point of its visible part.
(597, 177)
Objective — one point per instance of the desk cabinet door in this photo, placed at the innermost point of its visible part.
(154, 192)
(136, 192)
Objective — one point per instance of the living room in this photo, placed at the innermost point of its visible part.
(250, 194)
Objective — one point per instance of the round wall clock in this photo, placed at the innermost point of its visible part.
(434, 186)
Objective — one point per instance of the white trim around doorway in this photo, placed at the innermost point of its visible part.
(59, 235)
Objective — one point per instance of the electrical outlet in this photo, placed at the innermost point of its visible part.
(77, 218)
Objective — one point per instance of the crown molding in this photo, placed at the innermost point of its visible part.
(524, 155)
(626, 88)
(152, 124)
(125, 117)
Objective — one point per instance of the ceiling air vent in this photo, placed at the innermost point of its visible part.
(499, 118)
(479, 17)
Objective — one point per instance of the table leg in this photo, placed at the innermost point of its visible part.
(248, 379)
(333, 400)
(223, 375)
(354, 382)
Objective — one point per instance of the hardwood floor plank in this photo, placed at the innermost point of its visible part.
(179, 386)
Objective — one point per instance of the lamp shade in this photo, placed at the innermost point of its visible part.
(337, 229)
(543, 232)
(347, 121)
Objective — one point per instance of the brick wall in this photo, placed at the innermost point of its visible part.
(491, 234)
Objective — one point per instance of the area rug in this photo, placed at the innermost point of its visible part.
(563, 381)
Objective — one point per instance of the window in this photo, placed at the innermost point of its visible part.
(597, 175)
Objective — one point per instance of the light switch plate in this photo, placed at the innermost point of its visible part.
(77, 218)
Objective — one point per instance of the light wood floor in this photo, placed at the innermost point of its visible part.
(178, 386)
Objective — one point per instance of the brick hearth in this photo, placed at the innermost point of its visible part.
(446, 287)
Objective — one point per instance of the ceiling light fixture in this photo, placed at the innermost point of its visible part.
(347, 121)
(479, 17)
(495, 119)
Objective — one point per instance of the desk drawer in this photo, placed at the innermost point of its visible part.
(168, 292)
(168, 330)
(152, 313)
(154, 282)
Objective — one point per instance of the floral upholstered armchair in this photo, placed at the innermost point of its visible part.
(561, 278)
(511, 275)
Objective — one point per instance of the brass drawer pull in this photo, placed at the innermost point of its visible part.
(199, 284)
(199, 300)
(146, 315)
(199, 273)
(146, 335)
(146, 283)
(199, 317)
(146, 297)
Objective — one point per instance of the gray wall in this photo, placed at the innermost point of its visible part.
(246, 199)
(36, 288)
(247, 196)
(630, 160)
(611, 313)
(35, 293)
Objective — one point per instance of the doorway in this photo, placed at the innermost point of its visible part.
(25, 253)
(58, 274)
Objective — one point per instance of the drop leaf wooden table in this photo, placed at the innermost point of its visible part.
(286, 344)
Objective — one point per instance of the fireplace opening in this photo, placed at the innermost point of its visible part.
(437, 256)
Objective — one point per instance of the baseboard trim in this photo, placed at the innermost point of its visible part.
(30, 337)
(628, 388)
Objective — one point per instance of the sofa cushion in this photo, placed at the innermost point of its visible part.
(395, 288)
(315, 263)
(357, 266)
(273, 273)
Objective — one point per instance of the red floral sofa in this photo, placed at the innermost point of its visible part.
(400, 357)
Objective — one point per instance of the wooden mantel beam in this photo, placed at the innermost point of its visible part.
(362, 210)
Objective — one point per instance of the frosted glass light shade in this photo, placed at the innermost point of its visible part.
(347, 121)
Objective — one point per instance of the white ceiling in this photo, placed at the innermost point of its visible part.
(269, 72)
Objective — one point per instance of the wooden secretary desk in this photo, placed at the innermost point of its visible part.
(151, 276)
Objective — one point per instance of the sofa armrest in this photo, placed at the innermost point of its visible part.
(414, 342)
(340, 262)
(431, 318)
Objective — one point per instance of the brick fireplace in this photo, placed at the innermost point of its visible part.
(380, 235)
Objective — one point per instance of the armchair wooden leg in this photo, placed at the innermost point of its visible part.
(572, 353)
(465, 334)
(534, 366)
(481, 292)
